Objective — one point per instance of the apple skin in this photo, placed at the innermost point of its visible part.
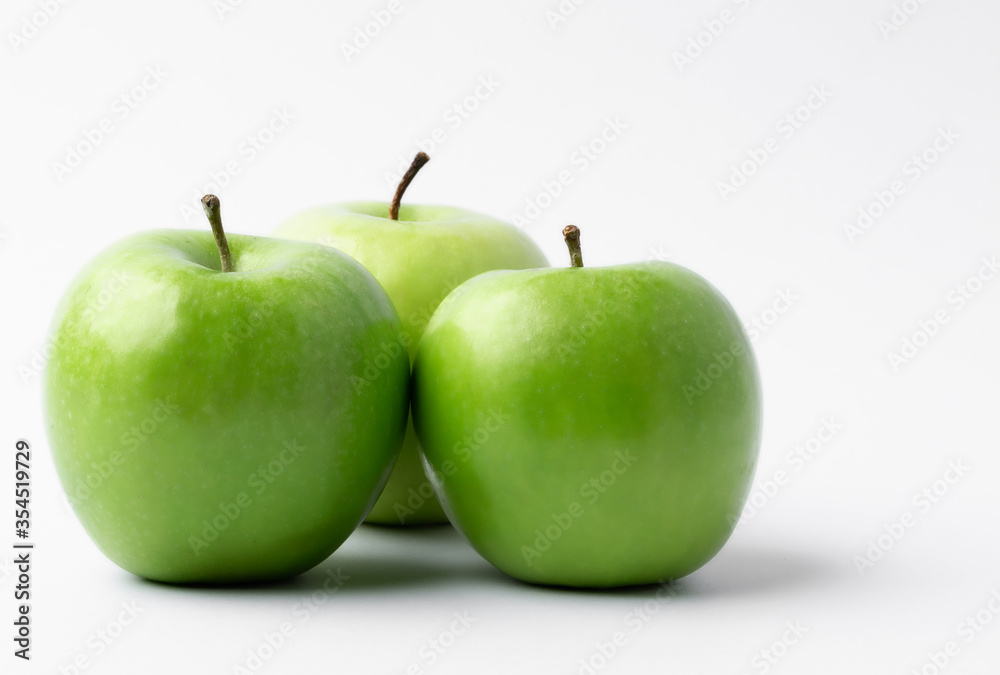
(418, 259)
(182, 401)
(563, 417)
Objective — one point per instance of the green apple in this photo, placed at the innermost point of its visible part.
(589, 427)
(222, 415)
(418, 254)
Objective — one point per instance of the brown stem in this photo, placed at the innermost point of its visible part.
(214, 212)
(418, 163)
(572, 236)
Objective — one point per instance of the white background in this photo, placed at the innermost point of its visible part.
(654, 191)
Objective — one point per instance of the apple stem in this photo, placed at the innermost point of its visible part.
(214, 212)
(572, 236)
(418, 163)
